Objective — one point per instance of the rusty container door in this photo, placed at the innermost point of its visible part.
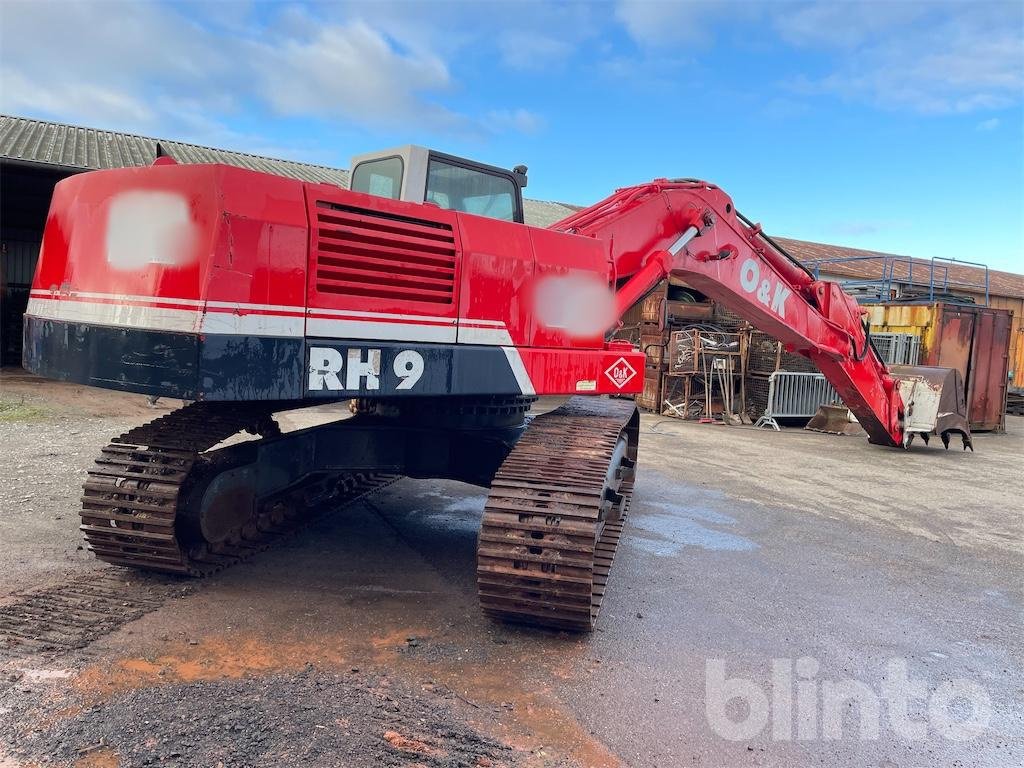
(975, 341)
(952, 337)
(989, 369)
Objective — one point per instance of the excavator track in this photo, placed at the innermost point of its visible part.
(555, 513)
(134, 507)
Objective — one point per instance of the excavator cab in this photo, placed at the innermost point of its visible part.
(420, 175)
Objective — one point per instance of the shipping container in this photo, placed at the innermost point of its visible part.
(973, 339)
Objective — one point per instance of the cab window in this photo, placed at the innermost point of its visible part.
(466, 189)
(381, 177)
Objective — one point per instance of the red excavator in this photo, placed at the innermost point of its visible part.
(421, 297)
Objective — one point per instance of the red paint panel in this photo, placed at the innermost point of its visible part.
(498, 265)
(560, 255)
(188, 232)
(369, 254)
(263, 240)
(570, 372)
(76, 252)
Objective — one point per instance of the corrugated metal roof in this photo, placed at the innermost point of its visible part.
(539, 213)
(70, 146)
(871, 265)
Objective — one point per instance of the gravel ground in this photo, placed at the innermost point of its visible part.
(313, 718)
(47, 440)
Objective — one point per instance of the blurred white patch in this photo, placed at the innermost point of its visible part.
(580, 304)
(46, 674)
(149, 228)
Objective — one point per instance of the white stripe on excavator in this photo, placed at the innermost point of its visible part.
(470, 335)
(157, 318)
(166, 318)
(252, 325)
(179, 320)
(158, 300)
(368, 329)
(515, 362)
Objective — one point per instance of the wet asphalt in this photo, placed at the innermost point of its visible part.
(701, 580)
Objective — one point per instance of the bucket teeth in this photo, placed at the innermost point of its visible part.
(935, 402)
(968, 443)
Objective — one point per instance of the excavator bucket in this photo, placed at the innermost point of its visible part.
(934, 402)
(834, 419)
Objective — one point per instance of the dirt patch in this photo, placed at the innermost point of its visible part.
(18, 410)
(411, 746)
(314, 717)
(99, 757)
(502, 703)
(232, 656)
(532, 716)
(59, 398)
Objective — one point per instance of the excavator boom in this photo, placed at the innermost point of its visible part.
(691, 230)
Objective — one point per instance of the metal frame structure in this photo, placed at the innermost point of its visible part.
(898, 348)
(882, 289)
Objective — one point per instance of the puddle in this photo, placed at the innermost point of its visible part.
(461, 514)
(434, 493)
(678, 526)
(466, 504)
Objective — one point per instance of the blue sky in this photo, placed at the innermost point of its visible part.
(895, 126)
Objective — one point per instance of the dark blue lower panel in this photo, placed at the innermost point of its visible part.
(245, 368)
(149, 362)
(400, 369)
(251, 368)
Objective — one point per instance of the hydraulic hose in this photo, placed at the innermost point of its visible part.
(776, 246)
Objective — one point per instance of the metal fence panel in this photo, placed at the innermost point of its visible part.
(796, 396)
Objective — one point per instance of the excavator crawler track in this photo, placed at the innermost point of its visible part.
(134, 503)
(555, 513)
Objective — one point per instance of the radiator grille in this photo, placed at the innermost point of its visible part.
(361, 252)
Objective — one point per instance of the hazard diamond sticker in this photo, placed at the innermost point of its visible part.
(620, 372)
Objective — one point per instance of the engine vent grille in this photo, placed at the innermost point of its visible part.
(361, 252)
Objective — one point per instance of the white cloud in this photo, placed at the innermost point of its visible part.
(351, 71)
(988, 125)
(150, 68)
(842, 23)
(532, 52)
(519, 120)
(933, 59)
(923, 56)
(676, 22)
(81, 102)
(104, 66)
